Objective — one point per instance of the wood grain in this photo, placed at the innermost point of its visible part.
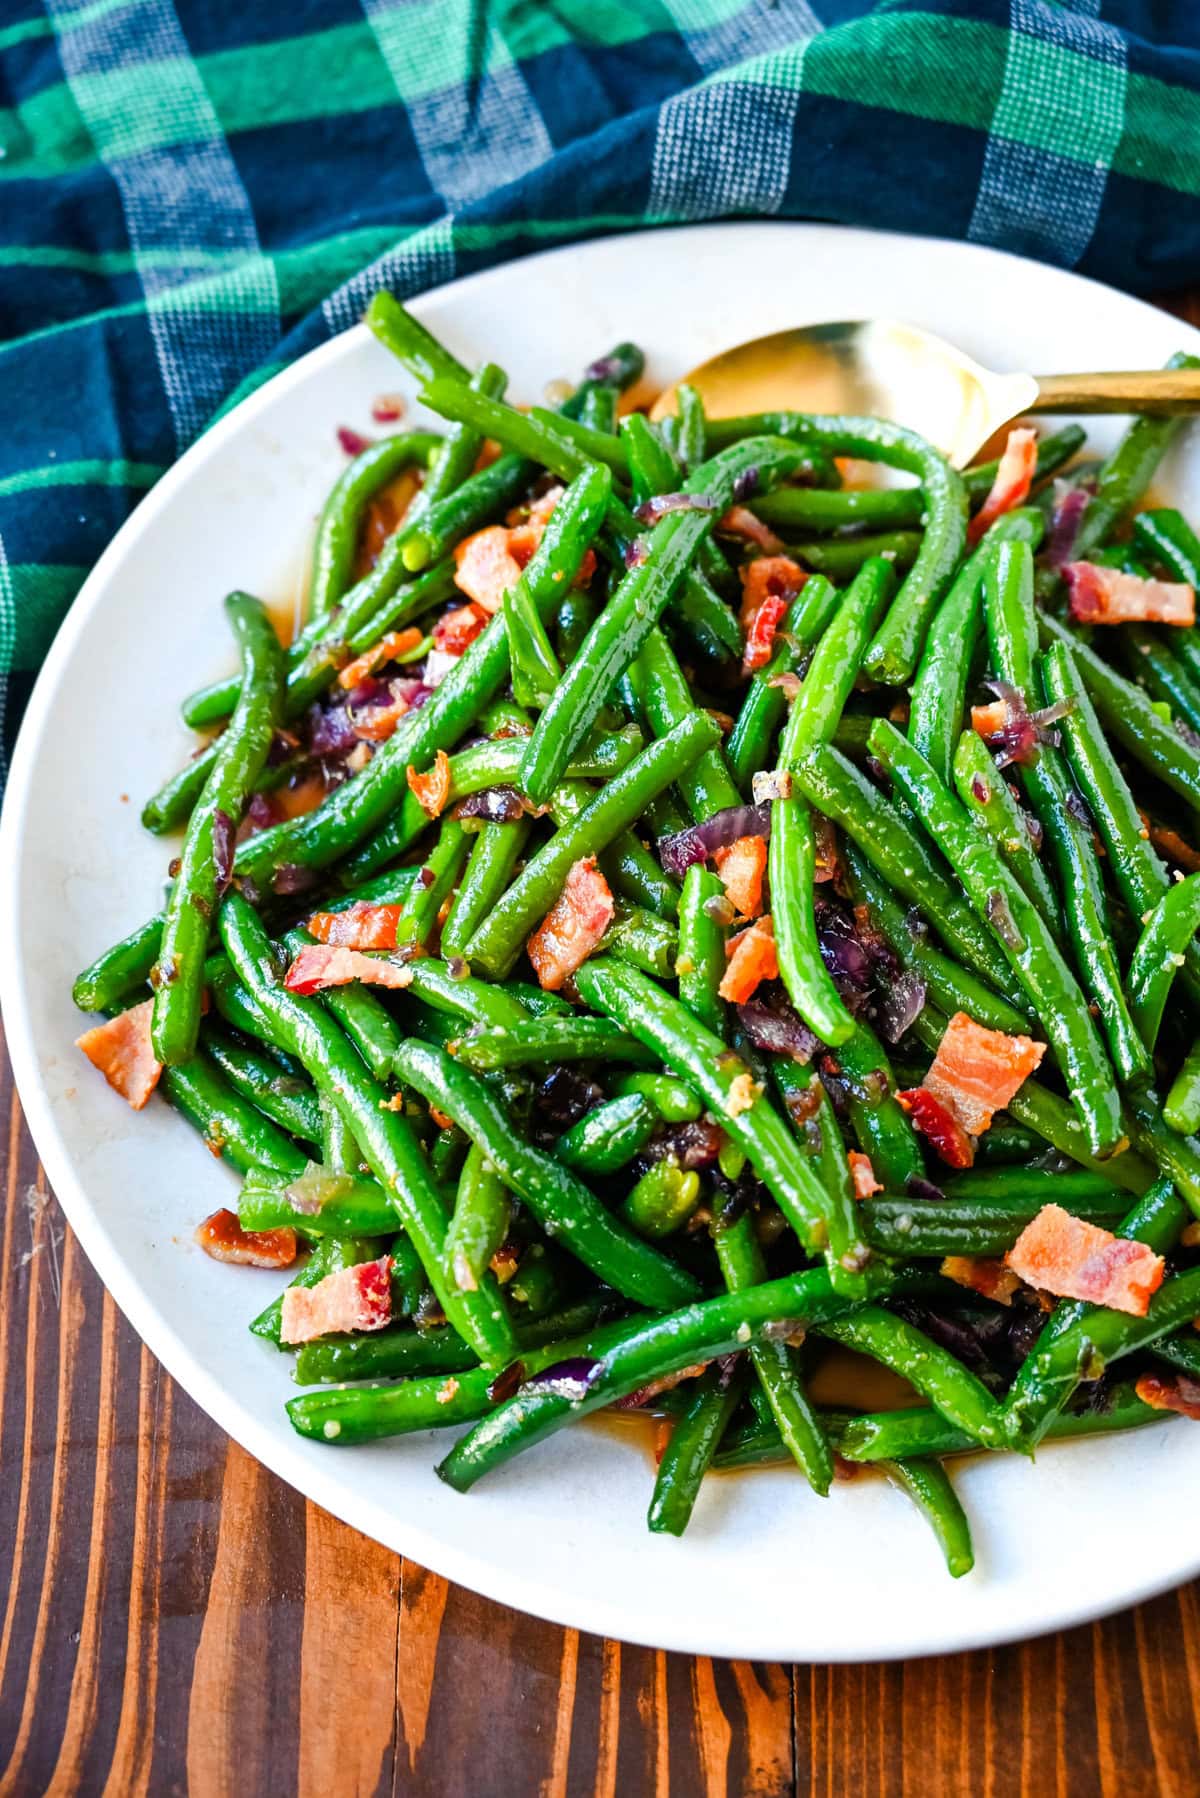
(173, 1620)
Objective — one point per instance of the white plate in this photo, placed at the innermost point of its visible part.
(766, 1570)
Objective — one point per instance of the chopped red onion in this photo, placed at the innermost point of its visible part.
(1000, 917)
(507, 1383)
(569, 1379)
(917, 1187)
(604, 368)
(498, 805)
(259, 815)
(353, 442)
(745, 485)
(902, 1006)
(1077, 806)
(916, 926)
(1186, 734)
(1035, 830)
(844, 956)
(773, 1026)
(292, 877)
(224, 837)
(659, 504)
(636, 552)
(677, 853)
(693, 1145)
(330, 732)
(1023, 732)
(1064, 524)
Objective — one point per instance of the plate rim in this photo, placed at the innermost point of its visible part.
(289, 1459)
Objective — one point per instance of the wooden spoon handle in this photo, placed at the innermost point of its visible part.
(1158, 390)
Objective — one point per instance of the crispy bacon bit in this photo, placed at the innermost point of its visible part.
(989, 720)
(378, 723)
(742, 1092)
(1172, 845)
(222, 1237)
(769, 584)
(1014, 477)
(863, 1175)
(431, 790)
(1170, 1392)
(361, 926)
(741, 866)
(388, 407)
(751, 960)
(740, 521)
(455, 631)
(939, 1125)
(573, 926)
(485, 567)
(122, 1050)
(665, 1383)
(353, 1298)
(1064, 1255)
(1109, 596)
(393, 644)
(319, 966)
(984, 1274)
(976, 1071)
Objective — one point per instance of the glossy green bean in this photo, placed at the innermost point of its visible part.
(494, 855)
(1167, 931)
(905, 1227)
(336, 543)
(949, 1386)
(537, 1042)
(1181, 1107)
(672, 1099)
(642, 939)
(317, 1202)
(479, 1223)
(604, 1140)
(287, 1099)
(688, 1455)
(879, 1122)
(707, 786)
(700, 964)
(748, 749)
(986, 794)
(927, 1483)
(231, 1126)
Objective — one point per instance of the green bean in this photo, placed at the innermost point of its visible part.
(1166, 535)
(1181, 1107)
(480, 1221)
(361, 804)
(879, 1122)
(1174, 1155)
(284, 1098)
(927, 1483)
(700, 964)
(1012, 634)
(793, 848)
(820, 1219)
(494, 855)
(576, 615)
(633, 610)
(401, 1354)
(748, 750)
(1168, 929)
(1182, 1352)
(338, 527)
(316, 1202)
(598, 409)
(536, 670)
(1125, 475)
(1059, 1124)
(707, 786)
(230, 1125)
(948, 985)
(905, 1227)
(536, 1042)
(653, 468)
(776, 1363)
(562, 1204)
(841, 558)
(621, 368)
(689, 408)
(472, 1000)
(329, 1255)
(1131, 718)
(632, 871)
(498, 941)
(1004, 1144)
(892, 846)
(1152, 665)
(386, 1139)
(813, 509)
(689, 1452)
(1024, 1190)
(178, 976)
(361, 1014)
(988, 797)
(949, 1386)
(662, 1199)
(433, 885)
(649, 1349)
(1021, 931)
(1080, 1340)
(604, 1140)
(647, 942)
(672, 1099)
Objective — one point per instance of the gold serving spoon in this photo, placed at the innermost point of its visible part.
(897, 371)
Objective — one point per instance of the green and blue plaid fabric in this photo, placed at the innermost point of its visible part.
(193, 192)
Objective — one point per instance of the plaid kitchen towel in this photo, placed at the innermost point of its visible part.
(192, 192)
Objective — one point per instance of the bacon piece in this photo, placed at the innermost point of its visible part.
(1109, 596)
(985, 1274)
(990, 720)
(751, 959)
(1170, 1392)
(741, 866)
(863, 1175)
(976, 1071)
(361, 926)
(740, 521)
(320, 965)
(1064, 1255)
(939, 1125)
(769, 584)
(377, 723)
(222, 1237)
(1014, 477)
(353, 1298)
(455, 631)
(122, 1050)
(485, 567)
(393, 644)
(431, 790)
(573, 926)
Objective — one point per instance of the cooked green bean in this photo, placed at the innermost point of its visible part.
(688, 1455)
(700, 964)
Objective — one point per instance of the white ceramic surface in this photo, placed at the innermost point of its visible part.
(766, 1570)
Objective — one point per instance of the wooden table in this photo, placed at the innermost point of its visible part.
(174, 1619)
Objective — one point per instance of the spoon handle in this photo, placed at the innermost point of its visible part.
(1160, 391)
